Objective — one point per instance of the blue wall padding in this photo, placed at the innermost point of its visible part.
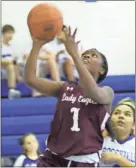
(120, 83)
(34, 115)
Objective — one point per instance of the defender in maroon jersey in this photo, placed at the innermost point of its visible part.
(75, 139)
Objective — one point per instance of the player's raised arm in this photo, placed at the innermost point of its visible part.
(91, 68)
(45, 86)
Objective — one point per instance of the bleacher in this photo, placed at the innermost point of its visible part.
(25, 115)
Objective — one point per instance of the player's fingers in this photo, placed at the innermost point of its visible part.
(69, 31)
(78, 42)
(74, 34)
(66, 32)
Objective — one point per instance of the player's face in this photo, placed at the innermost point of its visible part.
(31, 143)
(8, 35)
(123, 118)
(93, 61)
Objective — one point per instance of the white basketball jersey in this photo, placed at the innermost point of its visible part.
(125, 149)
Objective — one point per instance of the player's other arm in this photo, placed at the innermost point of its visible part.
(124, 162)
(116, 157)
(45, 86)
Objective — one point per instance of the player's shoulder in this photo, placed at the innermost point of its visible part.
(19, 161)
(131, 141)
(107, 142)
(21, 157)
(108, 88)
(107, 139)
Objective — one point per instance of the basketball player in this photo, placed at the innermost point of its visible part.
(8, 60)
(76, 131)
(120, 152)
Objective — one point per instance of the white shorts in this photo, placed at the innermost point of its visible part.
(8, 58)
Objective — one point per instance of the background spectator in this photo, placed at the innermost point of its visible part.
(8, 60)
(67, 69)
(31, 151)
(46, 66)
(119, 147)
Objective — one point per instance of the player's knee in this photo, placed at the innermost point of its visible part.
(6, 62)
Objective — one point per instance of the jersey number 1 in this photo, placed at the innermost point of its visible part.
(75, 112)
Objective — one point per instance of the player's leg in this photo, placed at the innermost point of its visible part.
(11, 76)
(17, 71)
(8, 64)
(53, 68)
(5, 62)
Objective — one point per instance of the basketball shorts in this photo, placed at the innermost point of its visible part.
(48, 159)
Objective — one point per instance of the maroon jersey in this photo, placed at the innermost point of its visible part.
(78, 123)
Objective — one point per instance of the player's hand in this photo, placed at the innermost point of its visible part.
(39, 43)
(70, 42)
(110, 157)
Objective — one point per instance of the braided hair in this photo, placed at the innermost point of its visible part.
(105, 67)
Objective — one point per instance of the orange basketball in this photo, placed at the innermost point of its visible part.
(45, 21)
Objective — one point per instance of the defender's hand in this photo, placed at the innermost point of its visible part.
(110, 157)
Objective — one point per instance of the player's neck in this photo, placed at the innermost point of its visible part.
(5, 41)
(122, 137)
(32, 155)
(81, 83)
